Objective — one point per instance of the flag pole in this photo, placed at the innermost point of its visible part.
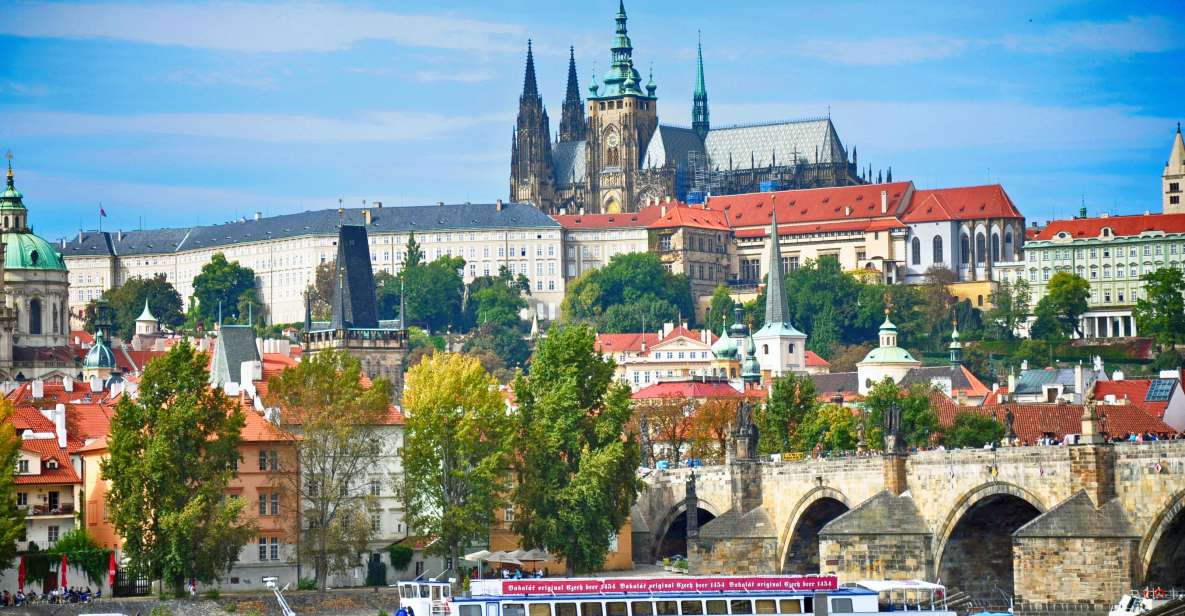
(100, 217)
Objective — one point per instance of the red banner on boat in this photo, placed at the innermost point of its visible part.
(669, 584)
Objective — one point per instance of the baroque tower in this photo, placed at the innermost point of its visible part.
(699, 105)
(531, 175)
(621, 120)
(572, 126)
(1174, 177)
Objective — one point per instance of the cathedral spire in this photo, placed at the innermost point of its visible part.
(530, 87)
(777, 309)
(572, 125)
(699, 105)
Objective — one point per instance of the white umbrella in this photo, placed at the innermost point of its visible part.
(535, 556)
(478, 556)
(503, 558)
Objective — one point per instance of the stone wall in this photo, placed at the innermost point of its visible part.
(1091, 572)
(875, 557)
(740, 555)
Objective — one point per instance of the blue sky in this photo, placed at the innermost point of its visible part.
(174, 113)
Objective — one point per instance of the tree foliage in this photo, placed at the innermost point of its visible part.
(830, 427)
(575, 460)
(1161, 312)
(387, 294)
(173, 452)
(631, 287)
(1065, 301)
(1010, 307)
(791, 398)
(126, 302)
(219, 286)
(83, 552)
(12, 518)
(494, 306)
(720, 311)
(456, 450)
(321, 291)
(918, 421)
(433, 293)
(331, 418)
(971, 429)
(710, 426)
(670, 424)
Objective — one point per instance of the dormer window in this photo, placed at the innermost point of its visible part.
(1106, 232)
(51, 464)
(22, 467)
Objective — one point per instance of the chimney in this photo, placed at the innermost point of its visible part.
(38, 388)
(667, 328)
(439, 203)
(667, 199)
(59, 422)
(67, 384)
(258, 215)
(366, 217)
(251, 370)
(378, 205)
(498, 205)
(96, 384)
(1118, 375)
(663, 211)
(1079, 382)
(884, 202)
(1011, 383)
(119, 235)
(847, 210)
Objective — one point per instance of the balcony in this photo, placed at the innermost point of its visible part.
(45, 511)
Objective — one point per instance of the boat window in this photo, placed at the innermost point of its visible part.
(741, 606)
(470, 610)
(565, 609)
(692, 608)
(448, 589)
(435, 593)
(666, 608)
(590, 608)
(423, 592)
(641, 608)
(513, 609)
(790, 606)
(808, 605)
(539, 609)
(841, 605)
(717, 606)
(615, 608)
(767, 606)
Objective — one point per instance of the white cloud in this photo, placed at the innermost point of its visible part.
(1133, 35)
(882, 51)
(14, 88)
(474, 76)
(242, 27)
(373, 126)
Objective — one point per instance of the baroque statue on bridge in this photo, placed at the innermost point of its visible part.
(892, 425)
(745, 431)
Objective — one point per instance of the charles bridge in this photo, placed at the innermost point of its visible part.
(1048, 525)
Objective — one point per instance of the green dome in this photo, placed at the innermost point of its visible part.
(25, 251)
(892, 355)
(11, 198)
(724, 347)
(100, 355)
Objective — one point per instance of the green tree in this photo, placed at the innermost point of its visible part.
(1010, 308)
(918, 420)
(628, 279)
(174, 449)
(126, 302)
(321, 291)
(12, 518)
(498, 300)
(832, 427)
(1161, 312)
(822, 296)
(331, 418)
(576, 461)
(414, 255)
(387, 294)
(433, 293)
(791, 399)
(1047, 326)
(720, 310)
(646, 314)
(220, 284)
(455, 452)
(1066, 298)
(971, 429)
(504, 342)
(84, 552)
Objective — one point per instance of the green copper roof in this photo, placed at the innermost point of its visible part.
(25, 251)
(11, 198)
(100, 355)
(888, 326)
(892, 355)
(622, 79)
(146, 314)
(724, 347)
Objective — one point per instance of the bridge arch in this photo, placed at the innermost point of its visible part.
(799, 544)
(973, 544)
(1162, 550)
(670, 536)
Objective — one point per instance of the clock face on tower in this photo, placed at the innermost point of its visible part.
(612, 139)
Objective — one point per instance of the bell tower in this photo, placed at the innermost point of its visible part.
(531, 174)
(621, 119)
(1174, 177)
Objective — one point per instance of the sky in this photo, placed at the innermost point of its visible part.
(174, 113)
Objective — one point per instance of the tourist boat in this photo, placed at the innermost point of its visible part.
(819, 595)
(1140, 601)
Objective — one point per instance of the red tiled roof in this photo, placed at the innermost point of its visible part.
(639, 219)
(687, 389)
(48, 449)
(1033, 421)
(1120, 226)
(814, 361)
(812, 205)
(82, 336)
(1134, 391)
(680, 215)
(962, 203)
(99, 444)
(632, 343)
(819, 227)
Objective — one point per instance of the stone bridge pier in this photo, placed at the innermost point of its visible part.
(1048, 526)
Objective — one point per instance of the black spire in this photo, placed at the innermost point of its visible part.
(530, 87)
(572, 126)
(699, 105)
(531, 173)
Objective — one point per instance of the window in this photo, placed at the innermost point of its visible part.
(740, 606)
(22, 499)
(717, 606)
(841, 605)
(692, 608)
(52, 534)
(263, 459)
(789, 606)
(275, 552)
(273, 460)
(262, 503)
(22, 467)
(937, 249)
(513, 609)
(1174, 200)
(615, 608)
(965, 248)
(666, 608)
(916, 249)
(767, 606)
(376, 521)
(590, 608)
(538, 609)
(565, 609)
(35, 316)
(637, 608)
(275, 503)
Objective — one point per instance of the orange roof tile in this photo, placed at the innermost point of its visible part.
(961, 203)
(814, 361)
(687, 389)
(813, 205)
(682, 215)
(638, 219)
(1120, 226)
(48, 449)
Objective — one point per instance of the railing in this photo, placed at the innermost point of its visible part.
(62, 509)
(359, 334)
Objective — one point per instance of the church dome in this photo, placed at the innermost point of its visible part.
(724, 348)
(889, 355)
(100, 355)
(26, 251)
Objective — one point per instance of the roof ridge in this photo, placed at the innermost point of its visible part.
(806, 120)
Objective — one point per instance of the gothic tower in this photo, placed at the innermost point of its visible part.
(621, 119)
(1174, 177)
(531, 173)
(699, 105)
(572, 127)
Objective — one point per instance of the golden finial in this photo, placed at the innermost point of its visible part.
(8, 155)
(888, 304)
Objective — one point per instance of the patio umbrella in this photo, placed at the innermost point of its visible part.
(478, 556)
(111, 570)
(20, 575)
(503, 558)
(64, 565)
(535, 556)
(518, 554)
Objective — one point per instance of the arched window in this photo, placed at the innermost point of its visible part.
(916, 247)
(1008, 241)
(964, 248)
(765, 349)
(980, 247)
(612, 159)
(34, 316)
(938, 249)
(55, 321)
(995, 247)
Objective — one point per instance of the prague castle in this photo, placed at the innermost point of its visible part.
(620, 157)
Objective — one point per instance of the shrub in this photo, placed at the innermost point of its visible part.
(161, 610)
(306, 584)
(232, 608)
(383, 613)
(212, 594)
